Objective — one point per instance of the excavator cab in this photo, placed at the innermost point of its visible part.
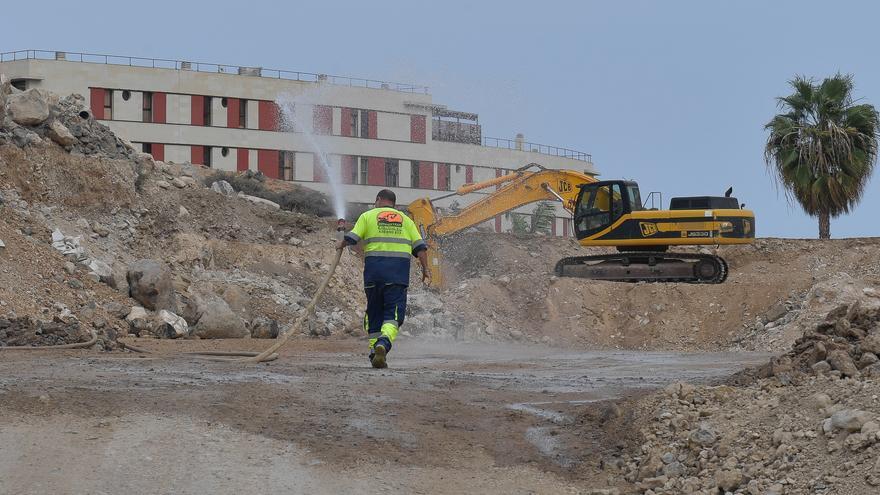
(600, 204)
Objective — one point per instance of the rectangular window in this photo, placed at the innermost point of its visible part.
(362, 170)
(414, 174)
(392, 168)
(206, 112)
(354, 122)
(147, 147)
(207, 158)
(108, 104)
(148, 106)
(242, 114)
(365, 124)
(286, 165)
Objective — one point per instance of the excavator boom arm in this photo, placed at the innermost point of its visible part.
(517, 189)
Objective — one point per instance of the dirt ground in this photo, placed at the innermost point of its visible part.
(446, 418)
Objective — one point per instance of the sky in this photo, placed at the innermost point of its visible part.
(673, 94)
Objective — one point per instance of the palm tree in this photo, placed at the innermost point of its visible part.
(822, 148)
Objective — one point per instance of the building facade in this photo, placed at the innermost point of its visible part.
(302, 127)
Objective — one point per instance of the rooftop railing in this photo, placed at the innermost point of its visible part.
(160, 63)
(519, 145)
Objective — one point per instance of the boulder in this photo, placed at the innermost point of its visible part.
(29, 108)
(171, 326)
(729, 480)
(217, 320)
(150, 283)
(102, 270)
(60, 134)
(264, 328)
(702, 436)
(138, 320)
(841, 361)
(223, 187)
(871, 343)
(259, 201)
(850, 420)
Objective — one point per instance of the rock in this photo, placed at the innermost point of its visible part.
(29, 108)
(163, 184)
(775, 312)
(116, 309)
(103, 270)
(223, 187)
(101, 230)
(840, 360)
(171, 326)
(150, 283)
(729, 480)
(69, 267)
(178, 183)
(674, 469)
(821, 367)
(703, 435)
(217, 320)
(516, 334)
(867, 359)
(871, 343)
(680, 390)
(259, 201)
(182, 212)
(650, 467)
(294, 241)
(850, 420)
(870, 428)
(820, 401)
(264, 328)
(139, 320)
(2, 244)
(60, 134)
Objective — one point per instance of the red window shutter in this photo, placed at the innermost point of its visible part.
(426, 175)
(345, 128)
(160, 108)
(242, 159)
(373, 122)
(347, 169)
(442, 175)
(498, 223)
(376, 171)
(232, 113)
(267, 162)
(565, 227)
(96, 102)
(197, 110)
(268, 115)
(158, 152)
(322, 120)
(197, 155)
(498, 174)
(317, 170)
(469, 174)
(417, 128)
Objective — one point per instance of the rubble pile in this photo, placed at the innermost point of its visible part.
(808, 422)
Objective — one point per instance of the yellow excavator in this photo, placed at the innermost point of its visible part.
(605, 213)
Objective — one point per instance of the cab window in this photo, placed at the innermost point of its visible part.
(599, 208)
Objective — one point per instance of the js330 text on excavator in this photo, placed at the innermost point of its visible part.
(605, 213)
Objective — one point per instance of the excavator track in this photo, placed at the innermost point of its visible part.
(639, 266)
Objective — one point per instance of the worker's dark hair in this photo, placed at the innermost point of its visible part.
(388, 195)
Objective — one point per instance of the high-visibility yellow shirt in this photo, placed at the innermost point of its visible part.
(390, 238)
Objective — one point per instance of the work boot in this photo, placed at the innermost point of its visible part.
(378, 357)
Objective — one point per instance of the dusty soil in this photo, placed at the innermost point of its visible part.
(444, 419)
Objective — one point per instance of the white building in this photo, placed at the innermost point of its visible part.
(372, 133)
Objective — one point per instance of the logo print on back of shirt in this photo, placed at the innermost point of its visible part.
(389, 217)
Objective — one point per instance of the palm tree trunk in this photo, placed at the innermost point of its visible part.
(824, 225)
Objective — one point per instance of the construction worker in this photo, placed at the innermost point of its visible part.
(389, 239)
